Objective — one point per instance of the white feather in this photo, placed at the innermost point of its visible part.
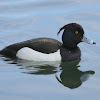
(30, 54)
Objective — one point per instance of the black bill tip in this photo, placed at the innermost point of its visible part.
(94, 43)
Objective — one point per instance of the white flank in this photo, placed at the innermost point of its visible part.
(30, 54)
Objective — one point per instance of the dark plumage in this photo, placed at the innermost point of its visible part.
(44, 45)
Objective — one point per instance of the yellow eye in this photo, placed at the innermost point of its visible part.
(76, 32)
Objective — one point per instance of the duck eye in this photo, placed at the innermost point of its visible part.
(76, 32)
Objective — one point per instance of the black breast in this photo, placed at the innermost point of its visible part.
(70, 54)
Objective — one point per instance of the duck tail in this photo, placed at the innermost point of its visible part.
(0, 51)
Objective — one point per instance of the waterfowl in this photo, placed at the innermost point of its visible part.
(48, 49)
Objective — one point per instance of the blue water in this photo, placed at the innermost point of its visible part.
(26, 80)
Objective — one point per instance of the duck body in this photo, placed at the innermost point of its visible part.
(48, 49)
(41, 49)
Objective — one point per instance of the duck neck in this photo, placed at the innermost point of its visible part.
(69, 47)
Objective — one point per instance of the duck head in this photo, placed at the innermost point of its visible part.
(74, 34)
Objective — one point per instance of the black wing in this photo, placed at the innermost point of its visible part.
(44, 45)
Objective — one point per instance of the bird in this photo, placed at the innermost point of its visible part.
(49, 49)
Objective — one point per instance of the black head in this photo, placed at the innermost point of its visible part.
(72, 35)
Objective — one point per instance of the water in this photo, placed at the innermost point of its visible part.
(26, 80)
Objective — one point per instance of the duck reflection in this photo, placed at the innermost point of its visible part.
(71, 76)
(67, 73)
(40, 68)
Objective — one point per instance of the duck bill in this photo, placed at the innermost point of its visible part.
(87, 40)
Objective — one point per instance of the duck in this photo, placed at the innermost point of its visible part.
(49, 49)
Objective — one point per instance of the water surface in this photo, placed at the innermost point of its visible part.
(27, 80)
